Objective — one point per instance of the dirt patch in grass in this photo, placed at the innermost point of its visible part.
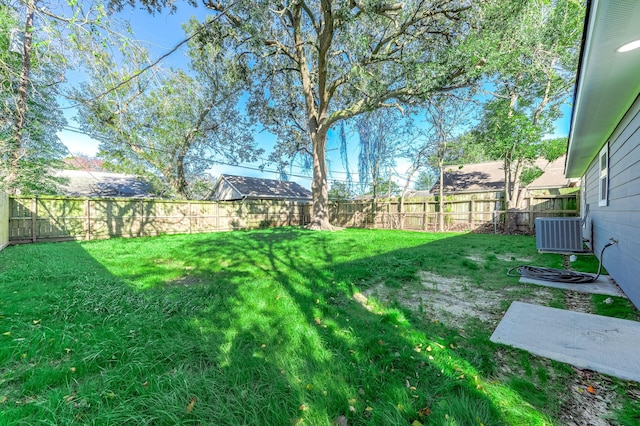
(185, 281)
(453, 300)
(588, 398)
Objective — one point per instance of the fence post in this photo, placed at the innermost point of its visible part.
(472, 211)
(34, 218)
(5, 215)
(87, 220)
(531, 218)
(190, 215)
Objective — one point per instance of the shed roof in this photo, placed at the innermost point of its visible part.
(253, 187)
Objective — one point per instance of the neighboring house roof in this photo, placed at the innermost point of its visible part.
(478, 177)
(607, 80)
(417, 193)
(82, 183)
(553, 176)
(83, 163)
(231, 188)
(489, 176)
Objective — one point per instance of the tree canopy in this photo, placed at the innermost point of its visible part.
(29, 112)
(316, 63)
(169, 124)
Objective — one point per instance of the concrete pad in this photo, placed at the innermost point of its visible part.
(602, 285)
(607, 345)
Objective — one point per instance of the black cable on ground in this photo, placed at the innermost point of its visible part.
(558, 275)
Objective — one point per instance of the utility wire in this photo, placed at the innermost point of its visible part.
(208, 160)
(157, 61)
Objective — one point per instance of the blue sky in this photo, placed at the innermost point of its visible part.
(160, 33)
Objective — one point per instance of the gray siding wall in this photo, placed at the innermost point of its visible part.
(620, 219)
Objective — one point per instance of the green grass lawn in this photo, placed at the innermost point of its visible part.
(262, 327)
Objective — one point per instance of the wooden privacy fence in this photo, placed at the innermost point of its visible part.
(461, 211)
(69, 218)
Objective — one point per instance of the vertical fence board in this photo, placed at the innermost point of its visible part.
(5, 213)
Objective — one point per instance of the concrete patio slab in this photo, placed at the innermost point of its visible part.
(603, 285)
(607, 345)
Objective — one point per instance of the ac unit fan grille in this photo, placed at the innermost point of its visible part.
(559, 234)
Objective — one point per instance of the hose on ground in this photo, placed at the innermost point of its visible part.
(557, 275)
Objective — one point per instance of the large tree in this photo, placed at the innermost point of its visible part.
(380, 134)
(30, 116)
(535, 76)
(170, 124)
(319, 62)
(447, 115)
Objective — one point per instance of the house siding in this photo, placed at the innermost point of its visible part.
(226, 192)
(620, 218)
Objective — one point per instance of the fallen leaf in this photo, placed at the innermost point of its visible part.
(429, 349)
(416, 423)
(3, 399)
(352, 408)
(36, 322)
(69, 398)
(303, 407)
(425, 411)
(591, 390)
(191, 405)
(451, 346)
(146, 384)
(368, 409)
(72, 369)
(6, 333)
(309, 386)
(318, 321)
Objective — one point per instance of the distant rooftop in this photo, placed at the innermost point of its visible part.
(82, 183)
(489, 176)
(231, 187)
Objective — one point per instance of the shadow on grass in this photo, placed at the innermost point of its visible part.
(253, 327)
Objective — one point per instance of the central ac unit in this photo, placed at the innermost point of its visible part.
(559, 234)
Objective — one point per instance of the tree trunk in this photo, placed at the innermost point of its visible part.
(17, 150)
(441, 198)
(320, 208)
